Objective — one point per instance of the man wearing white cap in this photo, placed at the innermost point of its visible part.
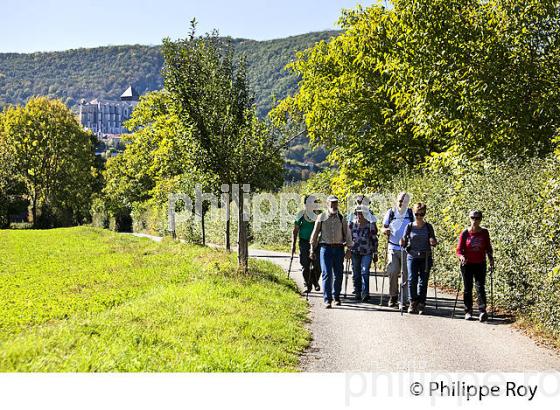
(394, 226)
(331, 234)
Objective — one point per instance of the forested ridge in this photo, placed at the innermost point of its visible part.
(105, 72)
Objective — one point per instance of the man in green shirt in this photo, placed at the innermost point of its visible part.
(303, 227)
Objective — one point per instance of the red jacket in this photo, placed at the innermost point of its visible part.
(476, 246)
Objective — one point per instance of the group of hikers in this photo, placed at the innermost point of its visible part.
(326, 239)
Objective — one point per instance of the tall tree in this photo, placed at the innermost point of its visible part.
(209, 88)
(53, 158)
(431, 80)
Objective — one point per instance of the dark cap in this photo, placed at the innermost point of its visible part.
(475, 214)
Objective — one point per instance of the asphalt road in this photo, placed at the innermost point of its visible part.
(366, 337)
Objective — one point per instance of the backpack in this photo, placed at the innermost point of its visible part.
(406, 237)
(409, 215)
(464, 236)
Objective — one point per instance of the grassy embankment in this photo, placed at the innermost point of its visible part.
(85, 299)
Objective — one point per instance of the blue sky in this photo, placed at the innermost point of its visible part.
(47, 25)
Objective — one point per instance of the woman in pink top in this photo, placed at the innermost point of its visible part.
(474, 245)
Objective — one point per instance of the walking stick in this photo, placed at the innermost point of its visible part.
(290, 267)
(384, 273)
(401, 307)
(375, 274)
(346, 282)
(492, 290)
(435, 282)
(457, 296)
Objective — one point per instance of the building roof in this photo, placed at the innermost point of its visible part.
(130, 94)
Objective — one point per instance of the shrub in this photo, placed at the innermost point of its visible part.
(522, 211)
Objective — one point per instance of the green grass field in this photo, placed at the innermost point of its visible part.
(89, 300)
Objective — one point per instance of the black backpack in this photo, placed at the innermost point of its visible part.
(409, 215)
(431, 234)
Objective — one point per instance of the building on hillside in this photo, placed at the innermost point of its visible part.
(105, 118)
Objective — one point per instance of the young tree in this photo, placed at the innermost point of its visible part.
(210, 91)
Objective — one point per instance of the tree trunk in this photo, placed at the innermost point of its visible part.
(228, 226)
(34, 210)
(242, 243)
(203, 226)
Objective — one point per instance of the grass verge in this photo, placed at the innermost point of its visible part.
(85, 300)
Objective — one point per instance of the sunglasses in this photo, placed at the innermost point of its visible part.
(420, 214)
(476, 218)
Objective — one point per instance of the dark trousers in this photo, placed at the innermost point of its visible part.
(310, 269)
(476, 272)
(418, 277)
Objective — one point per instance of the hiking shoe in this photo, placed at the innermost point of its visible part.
(309, 288)
(357, 296)
(365, 298)
(483, 317)
(412, 308)
(421, 308)
(468, 315)
(393, 302)
(328, 305)
(317, 287)
(337, 302)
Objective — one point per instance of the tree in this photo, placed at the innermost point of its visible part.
(52, 157)
(209, 89)
(428, 80)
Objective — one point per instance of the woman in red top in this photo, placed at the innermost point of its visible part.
(474, 245)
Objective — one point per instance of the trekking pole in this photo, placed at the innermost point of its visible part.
(346, 282)
(457, 296)
(290, 267)
(311, 267)
(375, 274)
(492, 291)
(384, 273)
(401, 298)
(435, 282)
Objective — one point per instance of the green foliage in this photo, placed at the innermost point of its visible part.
(428, 78)
(210, 91)
(520, 204)
(91, 300)
(49, 158)
(105, 72)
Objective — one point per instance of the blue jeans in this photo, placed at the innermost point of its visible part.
(360, 274)
(332, 264)
(418, 275)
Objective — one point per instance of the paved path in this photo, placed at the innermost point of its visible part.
(367, 337)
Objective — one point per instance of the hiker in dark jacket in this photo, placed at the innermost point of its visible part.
(418, 240)
(474, 244)
(331, 234)
(301, 234)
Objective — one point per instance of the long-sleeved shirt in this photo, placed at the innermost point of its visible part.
(475, 245)
(330, 231)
